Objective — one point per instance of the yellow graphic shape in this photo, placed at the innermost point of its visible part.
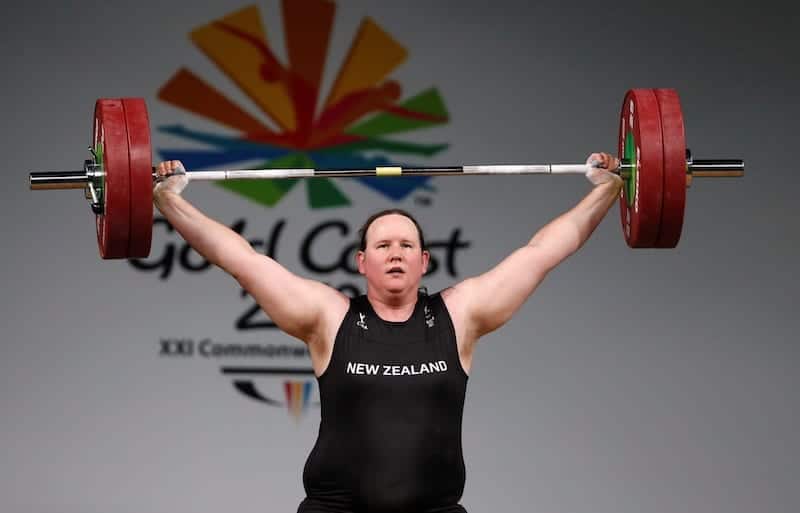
(372, 56)
(237, 44)
(188, 91)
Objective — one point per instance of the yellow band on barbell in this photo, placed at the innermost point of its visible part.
(388, 171)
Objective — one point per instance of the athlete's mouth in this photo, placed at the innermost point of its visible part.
(395, 271)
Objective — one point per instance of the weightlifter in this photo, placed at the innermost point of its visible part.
(392, 365)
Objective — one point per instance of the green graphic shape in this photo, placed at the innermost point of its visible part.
(323, 193)
(429, 103)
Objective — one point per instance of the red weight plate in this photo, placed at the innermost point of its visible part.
(640, 206)
(674, 168)
(141, 174)
(111, 138)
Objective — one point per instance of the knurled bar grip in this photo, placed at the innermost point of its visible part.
(389, 171)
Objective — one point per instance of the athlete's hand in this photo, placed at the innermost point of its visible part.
(171, 177)
(599, 169)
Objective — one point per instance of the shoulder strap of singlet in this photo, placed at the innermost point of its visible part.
(443, 325)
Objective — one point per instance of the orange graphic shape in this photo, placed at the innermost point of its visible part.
(188, 91)
(237, 44)
(372, 56)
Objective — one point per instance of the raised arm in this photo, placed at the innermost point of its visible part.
(482, 304)
(303, 308)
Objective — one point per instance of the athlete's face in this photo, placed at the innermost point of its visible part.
(393, 259)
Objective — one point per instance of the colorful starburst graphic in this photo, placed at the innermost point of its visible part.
(298, 395)
(362, 107)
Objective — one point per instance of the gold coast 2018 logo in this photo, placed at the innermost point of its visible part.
(309, 127)
(354, 123)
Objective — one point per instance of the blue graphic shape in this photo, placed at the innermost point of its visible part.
(232, 150)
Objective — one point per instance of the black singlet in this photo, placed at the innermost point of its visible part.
(392, 403)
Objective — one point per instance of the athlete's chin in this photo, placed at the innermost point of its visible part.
(397, 286)
(393, 288)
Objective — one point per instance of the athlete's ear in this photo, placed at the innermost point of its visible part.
(360, 257)
(426, 259)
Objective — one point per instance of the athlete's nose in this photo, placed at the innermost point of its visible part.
(395, 253)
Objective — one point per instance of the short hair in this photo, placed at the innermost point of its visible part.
(362, 232)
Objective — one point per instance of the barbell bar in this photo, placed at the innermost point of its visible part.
(655, 165)
(81, 179)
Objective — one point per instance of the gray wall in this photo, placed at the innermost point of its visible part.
(657, 381)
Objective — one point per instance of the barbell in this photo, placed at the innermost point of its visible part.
(656, 167)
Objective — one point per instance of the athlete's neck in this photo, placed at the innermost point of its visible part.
(393, 307)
